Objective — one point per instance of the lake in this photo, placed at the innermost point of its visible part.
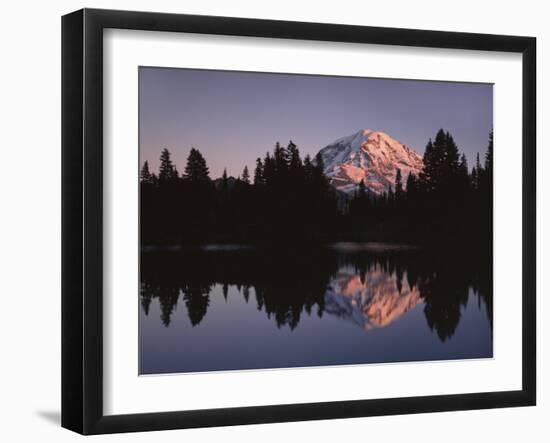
(233, 307)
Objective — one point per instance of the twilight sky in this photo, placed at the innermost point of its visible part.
(235, 117)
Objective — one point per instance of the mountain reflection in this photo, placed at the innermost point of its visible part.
(374, 299)
(371, 289)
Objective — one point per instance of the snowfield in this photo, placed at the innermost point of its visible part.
(368, 155)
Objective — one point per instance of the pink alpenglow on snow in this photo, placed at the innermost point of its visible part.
(371, 156)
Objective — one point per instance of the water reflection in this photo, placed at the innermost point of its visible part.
(369, 288)
(372, 290)
(372, 299)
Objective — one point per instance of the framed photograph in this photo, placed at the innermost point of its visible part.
(269, 221)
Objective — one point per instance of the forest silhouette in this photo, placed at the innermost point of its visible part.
(289, 200)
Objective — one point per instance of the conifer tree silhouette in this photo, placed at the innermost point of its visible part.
(145, 175)
(167, 170)
(245, 177)
(259, 172)
(196, 170)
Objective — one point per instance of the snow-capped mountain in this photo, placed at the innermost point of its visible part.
(372, 156)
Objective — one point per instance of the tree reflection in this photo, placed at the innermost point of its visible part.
(197, 299)
(289, 284)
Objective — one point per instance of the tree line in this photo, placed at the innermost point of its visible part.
(289, 199)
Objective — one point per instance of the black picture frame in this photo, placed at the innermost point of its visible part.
(82, 218)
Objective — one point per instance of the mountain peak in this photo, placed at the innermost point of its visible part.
(365, 131)
(371, 156)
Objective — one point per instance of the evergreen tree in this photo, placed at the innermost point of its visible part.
(320, 182)
(440, 171)
(225, 290)
(196, 170)
(478, 165)
(463, 175)
(463, 165)
(477, 173)
(259, 172)
(269, 169)
(411, 186)
(245, 178)
(167, 170)
(451, 156)
(489, 158)
(319, 164)
(281, 159)
(474, 178)
(308, 168)
(441, 162)
(398, 186)
(225, 180)
(295, 162)
(429, 168)
(145, 175)
(359, 202)
(197, 300)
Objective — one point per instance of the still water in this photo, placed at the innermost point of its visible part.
(231, 308)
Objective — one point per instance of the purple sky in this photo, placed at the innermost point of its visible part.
(235, 117)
